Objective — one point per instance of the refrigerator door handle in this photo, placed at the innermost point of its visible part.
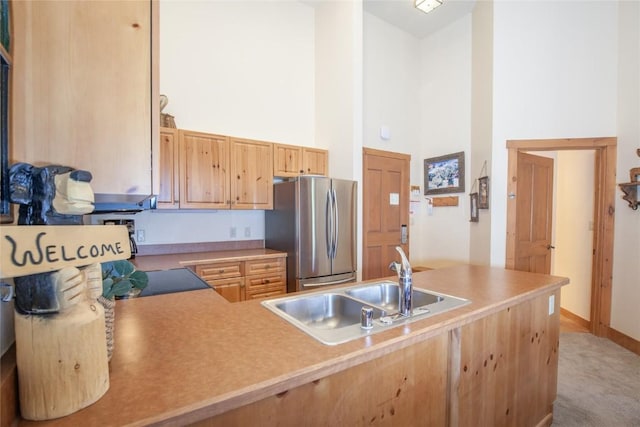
(329, 226)
(335, 223)
(335, 282)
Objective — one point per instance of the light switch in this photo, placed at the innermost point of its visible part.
(552, 304)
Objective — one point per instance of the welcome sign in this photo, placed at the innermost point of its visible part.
(31, 249)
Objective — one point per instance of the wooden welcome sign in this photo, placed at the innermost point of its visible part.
(31, 249)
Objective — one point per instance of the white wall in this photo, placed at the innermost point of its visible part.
(241, 68)
(573, 228)
(481, 120)
(445, 122)
(625, 316)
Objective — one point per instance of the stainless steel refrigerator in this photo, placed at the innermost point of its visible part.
(314, 221)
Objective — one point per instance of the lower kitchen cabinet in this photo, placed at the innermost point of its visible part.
(246, 279)
(265, 278)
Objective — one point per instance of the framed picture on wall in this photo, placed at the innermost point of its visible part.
(474, 207)
(483, 193)
(444, 174)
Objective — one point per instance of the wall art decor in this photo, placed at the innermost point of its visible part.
(444, 174)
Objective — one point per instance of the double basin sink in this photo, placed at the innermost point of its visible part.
(334, 317)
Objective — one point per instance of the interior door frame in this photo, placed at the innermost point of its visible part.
(604, 215)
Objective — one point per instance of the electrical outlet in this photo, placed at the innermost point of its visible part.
(140, 236)
(232, 232)
(247, 232)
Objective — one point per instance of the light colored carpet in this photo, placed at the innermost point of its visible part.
(598, 383)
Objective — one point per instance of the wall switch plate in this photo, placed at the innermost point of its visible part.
(140, 236)
(247, 232)
(232, 232)
(552, 304)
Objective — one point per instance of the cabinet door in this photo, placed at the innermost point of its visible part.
(82, 89)
(252, 174)
(315, 161)
(287, 160)
(168, 196)
(231, 289)
(204, 170)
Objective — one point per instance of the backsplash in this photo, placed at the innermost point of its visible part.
(170, 227)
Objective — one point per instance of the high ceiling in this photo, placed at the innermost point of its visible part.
(403, 14)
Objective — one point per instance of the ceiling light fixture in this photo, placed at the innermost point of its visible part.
(427, 5)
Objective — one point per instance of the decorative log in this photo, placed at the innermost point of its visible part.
(62, 361)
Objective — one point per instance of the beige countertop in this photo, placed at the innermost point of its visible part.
(164, 262)
(183, 357)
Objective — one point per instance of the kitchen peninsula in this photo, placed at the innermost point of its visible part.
(192, 357)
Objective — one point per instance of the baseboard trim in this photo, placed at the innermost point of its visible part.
(621, 339)
(575, 318)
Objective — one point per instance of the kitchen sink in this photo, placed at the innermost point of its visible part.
(324, 311)
(333, 317)
(386, 295)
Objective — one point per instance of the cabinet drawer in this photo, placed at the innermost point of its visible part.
(262, 266)
(219, 271)
(265, 284)
(275, 293)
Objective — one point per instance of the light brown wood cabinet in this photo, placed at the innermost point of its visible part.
(246, 279)
(293, 160)
(214, 171)
(204, 171)
(227, 278)
(169, 195)
(251, 174)
(265, 278)
(82, 90)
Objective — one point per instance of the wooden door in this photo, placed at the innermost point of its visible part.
(168, 197)
(204, 171)
(534, 199)
(385, 210)
(252, 174)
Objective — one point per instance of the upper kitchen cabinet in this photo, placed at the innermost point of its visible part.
(251, 174)
(85, 89)
(204, 171)
(315, 161)
(222, 172)
(293, 160)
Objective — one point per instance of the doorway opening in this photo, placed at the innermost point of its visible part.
(603, 215)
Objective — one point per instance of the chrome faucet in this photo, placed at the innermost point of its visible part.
(405, 283)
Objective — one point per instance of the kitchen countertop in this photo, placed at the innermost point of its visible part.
(164, 262)
(183, 357)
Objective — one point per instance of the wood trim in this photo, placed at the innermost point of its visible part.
(512, 186)
(561, 144)
(604, 210)
(381, 153)
(575, 318)
(622, 340)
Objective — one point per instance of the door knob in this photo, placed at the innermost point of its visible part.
(550, 247)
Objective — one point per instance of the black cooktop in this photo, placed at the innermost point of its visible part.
(174, 280)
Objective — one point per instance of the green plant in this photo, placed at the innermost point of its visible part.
(120, 277)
